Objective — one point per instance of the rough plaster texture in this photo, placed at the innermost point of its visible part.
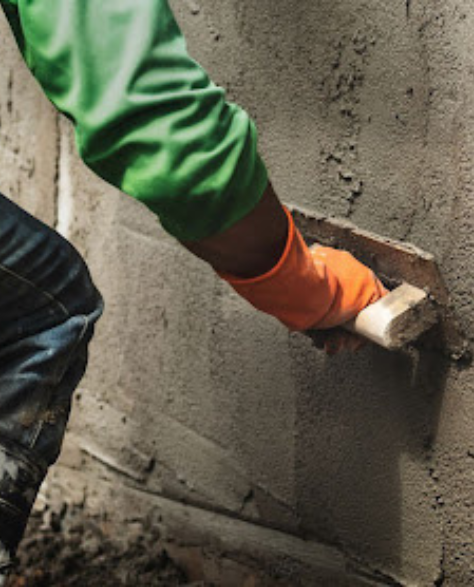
(365, 110)
(28, 137)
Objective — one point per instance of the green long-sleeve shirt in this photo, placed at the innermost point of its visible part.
(147, 117)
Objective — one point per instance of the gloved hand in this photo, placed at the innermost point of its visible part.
(357, 285)
(318, 288)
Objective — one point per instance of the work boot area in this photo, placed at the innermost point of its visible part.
(208, 444)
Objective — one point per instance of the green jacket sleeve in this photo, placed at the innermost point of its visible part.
(147, 118)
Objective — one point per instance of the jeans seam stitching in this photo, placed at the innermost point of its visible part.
(45, 293)
(12, 509)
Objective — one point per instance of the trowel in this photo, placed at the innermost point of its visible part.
(417, 309)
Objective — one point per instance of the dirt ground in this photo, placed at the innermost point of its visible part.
(67, 551)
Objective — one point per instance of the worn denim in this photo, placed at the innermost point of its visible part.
(48, 308)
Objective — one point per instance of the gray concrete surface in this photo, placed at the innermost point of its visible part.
(366, 111)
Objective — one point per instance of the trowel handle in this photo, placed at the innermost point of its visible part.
(397, 319)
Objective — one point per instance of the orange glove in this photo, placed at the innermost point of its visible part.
(311, 288)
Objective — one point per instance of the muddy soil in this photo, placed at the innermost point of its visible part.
(68, 551)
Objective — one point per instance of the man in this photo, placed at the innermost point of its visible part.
(149, 121)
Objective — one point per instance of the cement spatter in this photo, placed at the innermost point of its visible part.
(4, 559)
(8, 467)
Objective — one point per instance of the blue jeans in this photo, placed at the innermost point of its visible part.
(48, 308)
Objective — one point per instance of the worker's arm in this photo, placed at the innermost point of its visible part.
(147, 117)
(149, 120)
(265, 259)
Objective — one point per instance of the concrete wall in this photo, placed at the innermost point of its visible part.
(366, 111)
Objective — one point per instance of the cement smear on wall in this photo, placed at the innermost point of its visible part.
(365, 110)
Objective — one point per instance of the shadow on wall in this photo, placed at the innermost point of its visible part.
(358, 419)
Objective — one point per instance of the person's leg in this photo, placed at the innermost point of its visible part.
(48, 308)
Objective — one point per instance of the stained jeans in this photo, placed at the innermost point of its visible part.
(48, 308)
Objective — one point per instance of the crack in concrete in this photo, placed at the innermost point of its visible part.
(440, 579)
(57, 171)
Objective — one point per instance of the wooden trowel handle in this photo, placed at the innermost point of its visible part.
(397, 319)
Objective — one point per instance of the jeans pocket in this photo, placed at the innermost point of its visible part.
(24, 308)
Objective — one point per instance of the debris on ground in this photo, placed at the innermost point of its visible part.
(69, 550)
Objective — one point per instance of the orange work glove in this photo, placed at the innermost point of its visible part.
(311, 288)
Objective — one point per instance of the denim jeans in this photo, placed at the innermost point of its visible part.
(48, 308)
